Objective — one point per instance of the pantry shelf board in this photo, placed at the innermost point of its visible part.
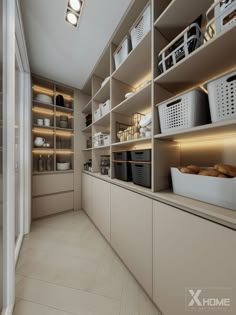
(88, 128)
(43, 104)
(139, 102)
(132, 142)
(87, 108)
(42, 127)
(178, 15)
(104, 93)
(217, 130)
(89, 149)
(103, 121)
(137, 65)
(212, 59)
(63, 109)
(102, 147)
(64, 129)
(52, 172)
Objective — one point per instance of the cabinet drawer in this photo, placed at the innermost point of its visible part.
(47, 205)
(51, 184)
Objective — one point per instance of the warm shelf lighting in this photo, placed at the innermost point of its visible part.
(63, 114)
(40, 89)
(208, 140)
(64, 134)
(40, 110)
(71, 18)
(42, 131)
(40, 151)
(64, 152)
(75, 5)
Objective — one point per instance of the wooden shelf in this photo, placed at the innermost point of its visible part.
(178, 15)
(89, 149)
(139, 102)
(132, 142)
(43, 127)
(103, 121)
(137, 65)
(88, 108)
(104, 93)
(43, 104)
(88, 128)
(102, 147)
(214, 58)
(210, 131)
(64, 109)
(64, 129)
(52, 172)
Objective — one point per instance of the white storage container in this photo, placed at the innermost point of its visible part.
(184, 111)
(141, 26)
(189, 40)
(223, 16)
(106, 107)
(214, 190)
(106, 140)
(122, 51)
(222, 97)
(97, 114)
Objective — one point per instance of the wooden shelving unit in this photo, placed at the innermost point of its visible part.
(203, 145)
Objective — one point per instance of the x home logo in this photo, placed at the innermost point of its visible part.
(208, 299)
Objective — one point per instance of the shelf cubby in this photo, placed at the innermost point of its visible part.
(103, 93)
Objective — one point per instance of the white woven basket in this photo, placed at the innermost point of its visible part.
(184, 111)
(122, 51)
(222, 97)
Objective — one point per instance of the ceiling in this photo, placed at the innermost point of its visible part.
(58, 50)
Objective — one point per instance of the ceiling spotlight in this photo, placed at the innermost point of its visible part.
(72, 18)
(75, 5)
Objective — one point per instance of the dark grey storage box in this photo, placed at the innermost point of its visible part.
(141, 174)
(141, 155)
(122, 156)
(123, 171)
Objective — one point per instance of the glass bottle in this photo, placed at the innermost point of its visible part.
(40, 164)
(49, 164)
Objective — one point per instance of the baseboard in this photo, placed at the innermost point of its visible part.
(8, 310)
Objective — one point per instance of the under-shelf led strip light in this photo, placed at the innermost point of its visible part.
(40, 89)
(73, 12)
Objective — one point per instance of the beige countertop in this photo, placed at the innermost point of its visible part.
(213, 213)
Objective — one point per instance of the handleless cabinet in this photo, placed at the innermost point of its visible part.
(101, 206)
(131, 232)
(190, 253)
(87, 194)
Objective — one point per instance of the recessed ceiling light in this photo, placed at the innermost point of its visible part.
(75, 5)
(71, 18)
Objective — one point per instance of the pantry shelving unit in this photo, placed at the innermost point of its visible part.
(203, 145)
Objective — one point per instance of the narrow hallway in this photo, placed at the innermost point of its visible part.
(66, 267)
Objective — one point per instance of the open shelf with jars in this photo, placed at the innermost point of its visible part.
(53, 126)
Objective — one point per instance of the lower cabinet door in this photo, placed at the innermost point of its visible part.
(51, 204)
(131, 232)
(101, 206)
(87, 194)
(191, 253)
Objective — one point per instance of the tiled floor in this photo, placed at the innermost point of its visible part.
(66, 267)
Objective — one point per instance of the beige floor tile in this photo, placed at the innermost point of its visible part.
(65, 299)
(27, 308)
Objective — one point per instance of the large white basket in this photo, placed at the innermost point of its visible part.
(214, 190)
(223, 16)
(122, 51)
(184, 111)
(141, 26)
(222, 97)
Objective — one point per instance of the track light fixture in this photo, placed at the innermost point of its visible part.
(73, 11)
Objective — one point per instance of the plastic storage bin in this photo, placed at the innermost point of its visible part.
(184, 111)
(122, 51)
(141, 26)
(122, 156)
(106, 140)
(214, 190)
(222, 97)
(141, 174)
(182, 46)
(224, 15)
(97, 114)
(106, 107)
(141, 155)
(123, 171)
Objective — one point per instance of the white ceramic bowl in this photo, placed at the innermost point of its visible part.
(63, 166)
(44, 98)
